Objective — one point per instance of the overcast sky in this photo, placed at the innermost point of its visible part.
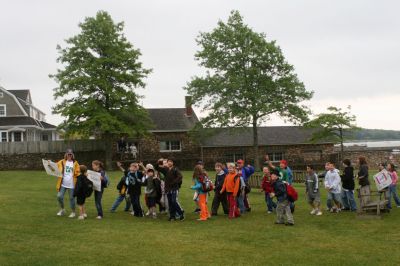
(347, 52)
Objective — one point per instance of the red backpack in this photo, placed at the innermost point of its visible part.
(206, 183)
(291, 193)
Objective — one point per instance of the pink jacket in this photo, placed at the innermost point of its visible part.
(395, 178)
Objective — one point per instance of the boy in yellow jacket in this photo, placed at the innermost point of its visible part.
(69, 168)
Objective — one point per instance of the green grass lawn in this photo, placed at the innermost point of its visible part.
(31, 233)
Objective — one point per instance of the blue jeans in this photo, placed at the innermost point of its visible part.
(97, 201)
(118, 201)
(240, 202)
(60, 197)
(393, 191)
(271, 205)
(137, 208)
(348, 200)
(335, 197)
(174, 207)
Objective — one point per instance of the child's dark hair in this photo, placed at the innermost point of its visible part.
(392, 167)
(83, 169)
(310, 166)
(150, 170)
(347, 162)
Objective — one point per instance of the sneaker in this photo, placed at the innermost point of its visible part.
(99, 217)
(61, 212)
(72, 215)
(201, 220)
(85, 215)
(171, 219)
(132, 213)
(248, 210)
(269, 212)
(182, 218)
(289, 224)
(197, 210)
(112, 211)
(81, 217)
(279, 223)
(314, 211)
(319, 213)
(398, 206)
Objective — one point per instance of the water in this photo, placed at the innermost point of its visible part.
(375, 144)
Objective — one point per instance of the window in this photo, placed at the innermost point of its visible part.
(275, 156)
(3, 110)
(233, 157)
(17, 136)
(3, 136)
(170, 145)
(1, 94)
(45, 137)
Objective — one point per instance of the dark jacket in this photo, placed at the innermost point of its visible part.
(348, 178)
(173, 178)
(80, 187)
(363, 172)
(219, 181)
(121, 186)
(280, 190)
(135, 182)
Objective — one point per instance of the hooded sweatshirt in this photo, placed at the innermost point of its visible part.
(333, 181)
(231, 184)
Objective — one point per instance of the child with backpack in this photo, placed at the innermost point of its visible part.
(266, 186)
(202, 186)
(312, 191)
(219, 198)
(122, 189)
(281, 193)
(83, 190)
(134, 181)
(98, 166)
(231, 186)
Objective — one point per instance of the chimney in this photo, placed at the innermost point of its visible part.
(188, 105)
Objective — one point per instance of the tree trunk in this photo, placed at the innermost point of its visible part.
(109, 151)
(255, 144)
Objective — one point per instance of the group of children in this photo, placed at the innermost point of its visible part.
(231, 188)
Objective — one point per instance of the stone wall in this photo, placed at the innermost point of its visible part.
(374, 156)
(33, 161)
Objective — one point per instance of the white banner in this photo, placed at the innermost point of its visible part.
(95, 178)
(382, 180)
(51, 168)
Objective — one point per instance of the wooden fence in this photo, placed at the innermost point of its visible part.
(50, 146)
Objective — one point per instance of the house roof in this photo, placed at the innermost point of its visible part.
(172, 119)
(279, 135)
(24, 121)
(22, 94)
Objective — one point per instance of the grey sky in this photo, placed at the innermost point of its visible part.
(346, 51)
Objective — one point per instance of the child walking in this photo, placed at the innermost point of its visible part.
(98, 166)
(82, 191)
(219, 198)
(333, 186)
(199, 177)
(231, 186)
(266, 186)
(122, 195)
(151, 193)
(392, 188)
(312, 191)
(283, 206)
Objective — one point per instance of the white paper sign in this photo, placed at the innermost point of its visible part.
(51, 168)
(382, 180)
(95, 178)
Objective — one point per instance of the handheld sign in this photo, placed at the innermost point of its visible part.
(95, 178)
(382, 180)
(51, 168)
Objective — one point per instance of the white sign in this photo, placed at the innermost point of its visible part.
(95, 178)
(382, 180)
(51, 168)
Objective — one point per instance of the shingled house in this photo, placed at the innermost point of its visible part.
(170, 139)
(20, 120)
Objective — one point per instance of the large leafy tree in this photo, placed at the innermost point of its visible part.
(98, 80)
(334, 125)
(247, 79)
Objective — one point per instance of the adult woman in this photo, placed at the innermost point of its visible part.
(363, 181)
(69, 168)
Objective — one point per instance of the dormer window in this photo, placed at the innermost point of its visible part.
(1, 94)
(3, 110)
